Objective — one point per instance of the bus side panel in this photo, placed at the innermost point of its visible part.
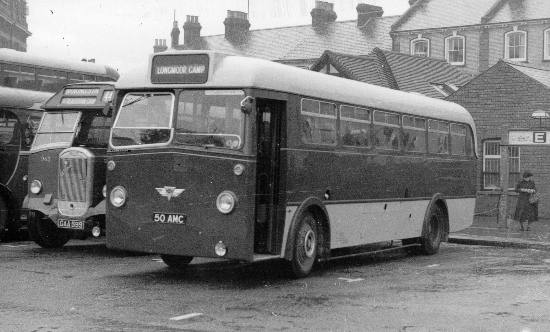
(361, 223)
(202, 178)
(461, 212)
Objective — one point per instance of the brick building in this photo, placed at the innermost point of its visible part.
(476, 34)
(505, 97)
(14, 30)
(295, 45)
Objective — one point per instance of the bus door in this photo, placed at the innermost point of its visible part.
(268, 224)
(9, 145)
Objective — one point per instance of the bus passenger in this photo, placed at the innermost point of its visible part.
(525, 212)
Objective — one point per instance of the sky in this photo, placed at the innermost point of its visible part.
(121, 33)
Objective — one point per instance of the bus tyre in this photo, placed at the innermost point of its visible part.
(45, 233)
(432, 234)
(305, 246)
(176, 262)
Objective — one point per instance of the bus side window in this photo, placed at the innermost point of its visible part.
(438, 135)
(318, 122)
(31, 126)
(387, 131)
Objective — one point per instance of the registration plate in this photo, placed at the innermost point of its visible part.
(169, 218)
(70, 224)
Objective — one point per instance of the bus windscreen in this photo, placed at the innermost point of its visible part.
(56, 129)
(144, 118)
(210, 118)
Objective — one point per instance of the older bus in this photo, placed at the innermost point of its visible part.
(34, 72)
(19, 118)
(215, 155)
(66, 196)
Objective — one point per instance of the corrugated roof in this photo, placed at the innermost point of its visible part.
(305, 42)
(396, 70)
(540, 75)
(518, 10)
(429, 14)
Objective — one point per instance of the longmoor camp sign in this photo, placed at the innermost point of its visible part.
(180, 68)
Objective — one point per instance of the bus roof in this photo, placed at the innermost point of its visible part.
(11, 97)
(23, 58)
(230, 71)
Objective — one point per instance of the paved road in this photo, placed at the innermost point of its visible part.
(86, 287)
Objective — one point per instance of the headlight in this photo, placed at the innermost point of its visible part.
(226, 202)
(104, 191)
(118, 196)
(36, 186)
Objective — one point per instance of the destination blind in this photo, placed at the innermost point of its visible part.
(180, 68)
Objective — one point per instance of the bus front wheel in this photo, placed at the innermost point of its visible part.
(305, 246)
(176, 262)
(432, 234)
(45, 233)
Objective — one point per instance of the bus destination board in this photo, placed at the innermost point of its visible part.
(180, 68)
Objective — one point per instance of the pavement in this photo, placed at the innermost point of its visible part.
(486, 231)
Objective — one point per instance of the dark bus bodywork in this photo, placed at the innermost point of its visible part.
(19, 118)
(67, 165)
(242, 166)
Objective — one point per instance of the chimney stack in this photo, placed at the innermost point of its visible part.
(322, 14)
(175, 34)
(236, 26)
(160, 45)
(366, 12)
(192, 32)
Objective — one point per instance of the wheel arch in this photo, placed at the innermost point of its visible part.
(438, 200)
(319, 211)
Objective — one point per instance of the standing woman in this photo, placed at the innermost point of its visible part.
(525, 209)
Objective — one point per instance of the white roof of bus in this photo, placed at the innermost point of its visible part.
(229, 71)
(24, 58)
(11, 97)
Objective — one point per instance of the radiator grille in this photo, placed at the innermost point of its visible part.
(72, 178)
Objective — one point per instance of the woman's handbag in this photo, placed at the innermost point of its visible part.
(534, 198)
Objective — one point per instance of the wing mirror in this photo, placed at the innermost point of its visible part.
(246, 104)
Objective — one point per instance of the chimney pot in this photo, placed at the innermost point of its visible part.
(236, 26)
(322, 14)
(192, 32)
(366, 12)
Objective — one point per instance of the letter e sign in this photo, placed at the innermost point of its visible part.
(539, 137)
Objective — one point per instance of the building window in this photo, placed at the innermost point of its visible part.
(491, 165)
(515, 47)
(547, 44)
(420, 46)
(454, 49)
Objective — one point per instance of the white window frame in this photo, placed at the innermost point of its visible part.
(507, 44)
(511, 184)
(420, 39)
(546, 44)
(447, 50)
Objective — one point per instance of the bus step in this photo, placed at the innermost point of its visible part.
(264, 257)
(370, 252)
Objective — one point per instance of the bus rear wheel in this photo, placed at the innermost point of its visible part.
(176, 262)
(305, 246)
(45, 233)
(432, 235)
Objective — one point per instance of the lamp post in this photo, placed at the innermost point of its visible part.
(540, 114)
